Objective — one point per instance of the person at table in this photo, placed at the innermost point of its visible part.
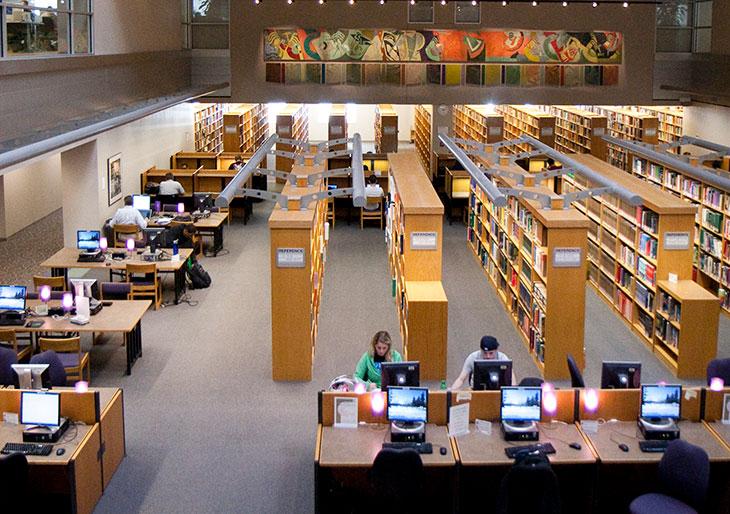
(170, 186)
(373, 190)
(381, 350)
(237, 163)
(185, 233)
(128, 215)
(488, 351)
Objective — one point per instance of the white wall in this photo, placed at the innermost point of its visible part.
(362, 121)
(80, 188)
(136, 26)
(708, 122)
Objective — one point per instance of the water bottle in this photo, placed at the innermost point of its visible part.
(443, 385)
(175, 247)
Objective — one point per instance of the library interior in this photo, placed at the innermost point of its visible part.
(471, 256)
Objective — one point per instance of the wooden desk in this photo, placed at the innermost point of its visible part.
(67, 258)
(721, 430)
(457, 192)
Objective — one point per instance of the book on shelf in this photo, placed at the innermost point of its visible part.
(712, 219)
(644, 296)
(648, 245)
(671, 307)
(648, 219)
(646, 270)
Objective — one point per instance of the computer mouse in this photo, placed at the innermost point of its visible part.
(443, 450)
(624, 447)
(60, 451)
(575, 446)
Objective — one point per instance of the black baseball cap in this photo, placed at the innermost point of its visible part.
(489, 343)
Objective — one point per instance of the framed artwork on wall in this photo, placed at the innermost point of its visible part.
(114, 178)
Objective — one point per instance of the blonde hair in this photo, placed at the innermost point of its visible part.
(383, 337)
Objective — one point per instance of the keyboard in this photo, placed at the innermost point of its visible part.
(653, 446)
(513, 451)
(419, 447)
(27, 448)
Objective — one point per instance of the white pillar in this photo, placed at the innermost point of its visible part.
(81, 191)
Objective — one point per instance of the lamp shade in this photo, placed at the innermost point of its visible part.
(45, 293)
(130, 244)
(103, 244)
(377, 402)
(717, 384)
(180, 208)
(67, 301)
(590, 401)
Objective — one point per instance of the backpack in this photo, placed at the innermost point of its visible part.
(198, 277)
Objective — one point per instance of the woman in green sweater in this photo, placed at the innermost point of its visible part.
(368, 368)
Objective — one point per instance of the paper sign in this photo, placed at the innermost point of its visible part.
(230, 129)
(485, 427)
(599, 131)
(589, 426)
(290, 257)
(459, 419)
(284, 129)
(336, 130)
(346, 412)
(690, 394)
(546, 131)
(424, 240)
(676, 240)
(567, 257)
(650, 132)
(494, 131)
(462, 396)
(82, 307)
(388, 130)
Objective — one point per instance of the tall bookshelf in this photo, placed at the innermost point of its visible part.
(477, 123)
(386, 129)
(208, 127)
(298, 249)
(627, 124)
(579, 131)
(671, 119)
(292, 122)
(245, 127)
(414, 234)
(712, 223)
(337, 126)
(522, 120)
(527, 254)
(422, 130)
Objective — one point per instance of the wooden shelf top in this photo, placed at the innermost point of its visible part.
(196, 155)
(654, 198)
(579, 112)
(674, 110)
(297, 218)
(241, 108)
(532, 111)
(483, 110)
(686, 290)
(179, 172)
(289, 109)
(414, 188)
(628, 112)
(386, 110)
(418, 291)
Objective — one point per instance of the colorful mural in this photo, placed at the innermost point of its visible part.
(443, 46)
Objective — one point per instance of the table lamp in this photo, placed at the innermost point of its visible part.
(377, 402)
(180, 208)
(590, 400)
(549, 400)
(82, 386)
(67, 302)
(103, 244)
(45, 295)
(717, 384)
(130, 245)
(359, 388)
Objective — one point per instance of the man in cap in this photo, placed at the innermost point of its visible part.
(488, 351)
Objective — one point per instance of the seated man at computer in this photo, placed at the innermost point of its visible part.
(488, 351)
(373, 190)
(128, 215)
(170, 186)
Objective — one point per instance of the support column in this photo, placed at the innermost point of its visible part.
(82, 191)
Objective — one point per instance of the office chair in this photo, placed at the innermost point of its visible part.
(531, 382)
(533, 473)
(331, 212)
(143, 282)
(7, 358)
(376, 214)
(684, 475)
(719, 368)
(397, 479)
(9, 341)
(14, 482)
(169, 207)
(55, 367)
(68, 351)
(576, 378)
(115, 290)
(55, 283)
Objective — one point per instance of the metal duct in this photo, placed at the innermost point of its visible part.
(715, 147)
(358, 174)
(238, 181)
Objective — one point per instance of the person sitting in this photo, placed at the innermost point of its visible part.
(128, 215)
(373, 190)
(488, 351)
(237, 163)
(170, 186)
(381, 350)
(184, 233)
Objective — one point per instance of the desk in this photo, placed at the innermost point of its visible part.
(457, 192)
(210, 226)
(67, 258)
(484, 464)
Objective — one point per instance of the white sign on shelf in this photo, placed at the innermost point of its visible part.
(494, 131)
(567, 257)
(676, 240)
(424, 240)
(599, 131)
(546, 131)
(290, 257)
(336, 130)
(389, 130)
(459, 420)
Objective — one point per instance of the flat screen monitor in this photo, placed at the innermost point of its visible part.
(40, 408)
(32, 376)
(142, 204)
(88, 239)
(408, 404)
(85, 287)
(661, 401)
(12, 298)
(521, 403)
(491, 374)
(620, 375)
(202, 201)
(399, 374)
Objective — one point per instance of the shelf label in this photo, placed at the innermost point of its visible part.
(676, 240)
(567, 257)
(650, 132)
(599, 131)
(389, 130)
(494, 131)
(424, 240)
(336, 130)
(546, 131)
(290, 257)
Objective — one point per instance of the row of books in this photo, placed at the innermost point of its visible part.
(624, 305)
(648, 219)
(713, 197)
(644, 296)
(667, 332)
(712, 219)
(646, 323)
(646, 270)
(648, 245)
(669, 306)
(710, 243)
(627, 256)
(624, 277)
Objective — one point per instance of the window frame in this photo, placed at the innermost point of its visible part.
(692, 27)
(190, 22)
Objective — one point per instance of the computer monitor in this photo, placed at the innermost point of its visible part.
(40, 408)
(407, 404)
(142, 204)
(88, 239)
(521, 404)
(399, 374)
(491, 374)
(32, 376)
(12, 298)
(620, 375)
(202, 201)
(661, 401)
(85, 287)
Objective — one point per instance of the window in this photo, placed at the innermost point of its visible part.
(420, 12)
(684, 26)
(465, 12)
(45, 27)
(205, 23)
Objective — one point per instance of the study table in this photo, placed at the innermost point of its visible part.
(67, 258)
(212, 225)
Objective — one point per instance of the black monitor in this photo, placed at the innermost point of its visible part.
(202, 201)
(88, 240)
(407, 404)
(151, 234)
(620, 375)
(491, 374)
(399, 374)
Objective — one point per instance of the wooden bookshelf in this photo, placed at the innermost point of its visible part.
(579, 131)
(477, 123)
(520, 120)
(422, 133)
(627, 124)
(671, 119)
(518, 247)
(296, 284)
(292, 122)
(208, 127)
(194, 160)
(337, 126)
(386, 129)
(245, 127)
(414, 229)
(186, 177)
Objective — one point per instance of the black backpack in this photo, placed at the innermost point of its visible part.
(198, 277)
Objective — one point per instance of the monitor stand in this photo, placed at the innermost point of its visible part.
(407, 431)
(658, 428)
(520, 431)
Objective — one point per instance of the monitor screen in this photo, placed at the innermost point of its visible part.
(37, 408)
(12, 298)
(407, 404)
(32, 376)
(491, 374)
(88, 239)
(620, 375)
(521, 403)
(660, 401)
(141, 202)
(405, 373)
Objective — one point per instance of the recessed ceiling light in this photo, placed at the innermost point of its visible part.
(595, 4)
(625, 4)
(565, 4)
(534, 3)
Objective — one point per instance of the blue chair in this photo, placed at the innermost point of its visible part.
(684, 475)
(55, 367)
(7, 358)
(719, 368)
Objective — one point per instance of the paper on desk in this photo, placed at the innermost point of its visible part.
(589, 426)
(459, 419)
(485, 427)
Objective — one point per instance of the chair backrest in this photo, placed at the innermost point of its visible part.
(576, 378)
(7, 358)
(60, 344)
(125, 231)
(55, 283)
(397, 478)
(13, 480)
(684, 473)
(141, 268)
(531, 382)
(114, 290)
(531, 486)
(55, 367)
(169, 207)
(719, 368)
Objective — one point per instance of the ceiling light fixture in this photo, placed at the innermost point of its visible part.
(413, 2)
(504, 3)
(534, 3)
(351, 2)
(473, 2)
(625, 4)
(595, 4)
(443, 2)
(565, 4)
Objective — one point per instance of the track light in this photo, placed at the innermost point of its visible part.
(321, 2)
(257, 2)
(565, 4)
(443, 2)
(595, 4)
(625, 4)
(290, 2)
(534, 3)
(382, 2)
(504, 3)
(351, 2)
(473, 2)
(413, 2)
